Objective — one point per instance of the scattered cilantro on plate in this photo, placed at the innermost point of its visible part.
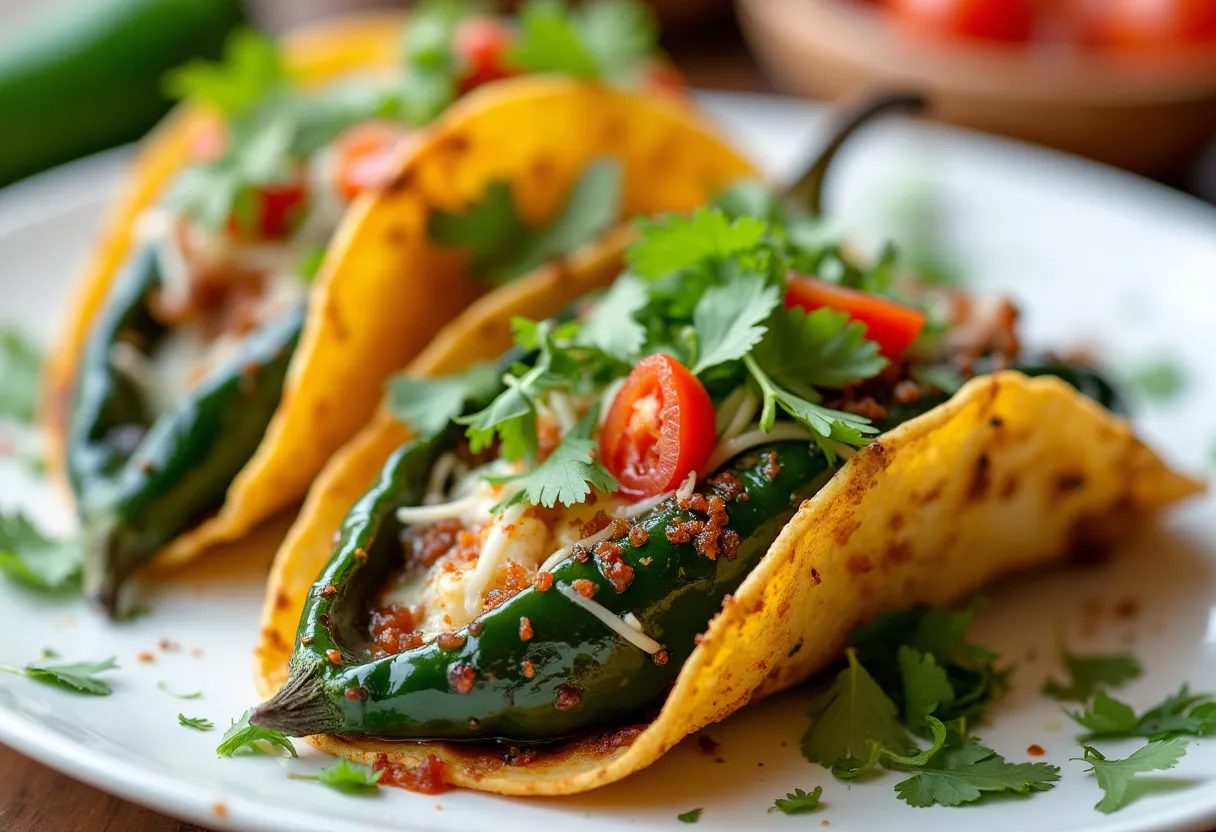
(1115, 776)
(165, 689)
(347, 777)
(195, 722)
(243, 736)
(1088, 674)
(691, 816)
(20, 366)
(1160, 381)
(35, 561)
(1181, 713)
(80, 677)
(963, 773)
(798, 802)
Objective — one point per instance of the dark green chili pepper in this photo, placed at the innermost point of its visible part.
(573, 672)
(142, 478)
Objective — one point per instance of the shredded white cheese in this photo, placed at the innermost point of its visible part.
(730, 448)
(447, 467)
(559, 405)
(642, 506)
(630, 632)
(687, 487)
(444, 511)
(492, 556)
(142, 372)
(564, 552)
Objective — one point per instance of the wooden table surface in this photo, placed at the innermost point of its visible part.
(33, 798)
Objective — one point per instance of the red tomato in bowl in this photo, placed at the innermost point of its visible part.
(1006, 21)
(660, 426)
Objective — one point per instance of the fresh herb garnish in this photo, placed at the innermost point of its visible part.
(20, 365)
(428, 405)
(730, 321)
(1115, 776)
(76, 676)
(195, 722)
(612, 326)
(1088, 674)
(1182, 713)
(963, 773)
(503, 246)
(1160, 381)
(671, 244)
(165, 689)
(567, 476)
(35, 561)
(691, 816)
(798, 802)
(347, 777)
(605, 39)
(251, 69)
(254, 738)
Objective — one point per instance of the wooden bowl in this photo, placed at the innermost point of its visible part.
(1151, 116)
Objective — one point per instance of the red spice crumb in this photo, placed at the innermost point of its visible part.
(907, 392)
(525, 628)
(771, 468)
(197, 652)
(169, 646)
(683, 531)
(1035, 751)
(424, 545)
(730, 487)
(620, 528)
(474, 628)
(356, 694)
(334, 656)
(660, 658)
(330, 589)
(719, 760)
(1127, 608)
(584, 588)
(219, 809)
(529, 669)
(638, 537)
(580, 553)
(612, 567)
(474, 723)
(448, 566)
(646, 561)
(146, 657)
(708, 745)
(461, 678)
(543, 581)
(567, 698)
(393, 630)
(307, 640)
(360, 554)
(824, 822)
(596, 524)
(429, 777)
(450, 641)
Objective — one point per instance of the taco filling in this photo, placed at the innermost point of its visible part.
(546, 554)
(187, 360)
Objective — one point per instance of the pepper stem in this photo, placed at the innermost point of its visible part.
(300, 708)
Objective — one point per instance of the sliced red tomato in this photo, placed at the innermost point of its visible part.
(275, 211)
(1008, 21)
(1153, 25)
(660, 427)
(891, 325)
(362, 156)
(481, 45)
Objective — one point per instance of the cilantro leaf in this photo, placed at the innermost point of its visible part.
(829, 426)
(503, 246)
(925, 684)
(1160, 381)
(798, 802)
(612, 326)
(568, 475)
(691, 816)
(250, 70)
(241, 735)
(76, 676)
(962, 773)
(38, 562)
(1087, 674)
(605, 39)
(621, 35)
(1115, 776)
(428, 405)
(729, 320)
(195, 722)
(1181, 713)
(850, 714)
(165, 688)
(429, 82)
(347, 777)
(823, 348)
(677, 242)
(20, 366)
(549, 41)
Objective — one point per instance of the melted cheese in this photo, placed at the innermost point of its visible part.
(632, 634)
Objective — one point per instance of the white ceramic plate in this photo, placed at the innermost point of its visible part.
(1096, 257)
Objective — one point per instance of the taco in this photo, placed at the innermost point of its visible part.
(583, 528)
(238, 321)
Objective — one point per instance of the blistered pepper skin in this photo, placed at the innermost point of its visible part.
(136, 494)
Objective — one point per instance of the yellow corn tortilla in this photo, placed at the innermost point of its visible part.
(384, 289)
(1011, 474)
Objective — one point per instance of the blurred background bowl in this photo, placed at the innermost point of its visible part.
(1151, 114)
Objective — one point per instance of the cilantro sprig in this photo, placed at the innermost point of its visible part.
(198, 723)
(1182, 713)
(607, 39)
(567, 476)
(20, 365)
(35, 561)
(346, 777)
(1089, 673)
(242, 736)
(691, 816)
(80, 677)
(798, 802)
(1115, 776)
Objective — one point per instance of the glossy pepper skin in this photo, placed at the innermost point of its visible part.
(140, 480)
(493, 684)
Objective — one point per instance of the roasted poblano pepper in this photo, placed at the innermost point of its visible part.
(142, 478)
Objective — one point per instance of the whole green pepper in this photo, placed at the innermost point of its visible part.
(573, 672)
(140, 478)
